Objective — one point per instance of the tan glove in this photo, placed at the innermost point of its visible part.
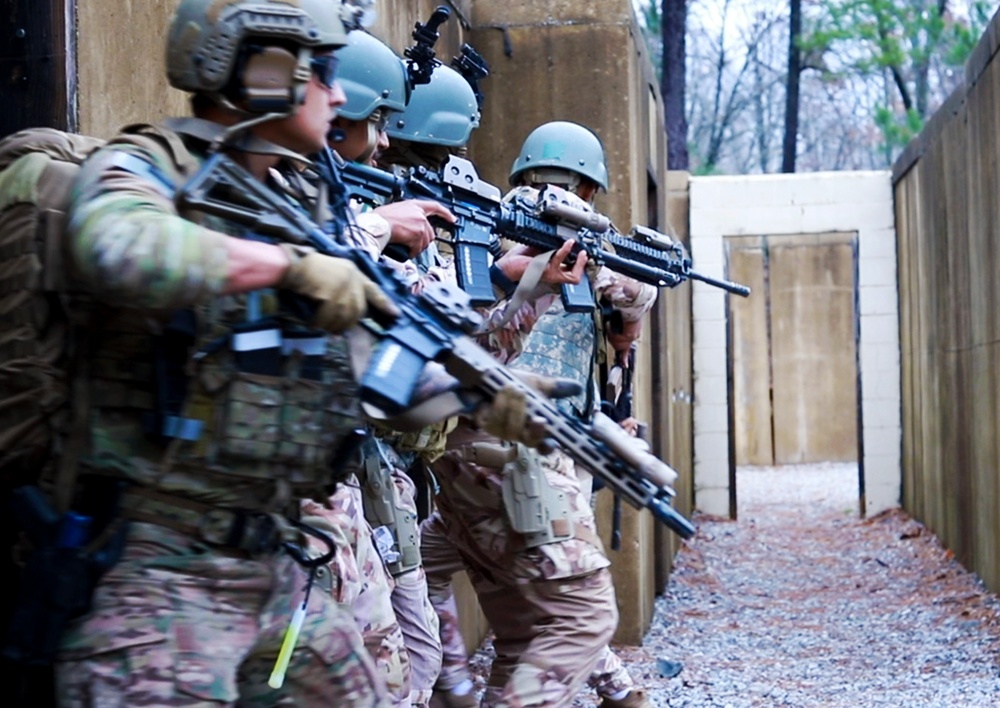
(344, 294)
(506, 416)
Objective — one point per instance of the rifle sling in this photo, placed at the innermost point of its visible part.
(526, 290)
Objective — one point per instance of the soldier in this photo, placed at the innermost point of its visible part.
(395, 615)
(572, 345)
(545, 590)
(376, 86)
(217, 410)
(437, 123)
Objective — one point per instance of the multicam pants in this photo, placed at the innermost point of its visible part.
(360, 583)
(414, 611)
(441, 562)
(177, 623)
(552, 608)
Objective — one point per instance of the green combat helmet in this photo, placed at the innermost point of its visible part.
(206, 36)
(564, 146)
(372, 77)
(442, 112)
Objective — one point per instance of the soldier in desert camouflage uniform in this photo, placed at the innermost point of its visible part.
(547, 593)
(196, 609)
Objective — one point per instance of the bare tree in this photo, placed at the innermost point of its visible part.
(792, 87)
(673, 84)
(869, 71)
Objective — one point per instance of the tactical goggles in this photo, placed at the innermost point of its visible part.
(324, 67)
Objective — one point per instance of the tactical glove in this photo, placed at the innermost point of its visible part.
(344, 295)
(506, 416)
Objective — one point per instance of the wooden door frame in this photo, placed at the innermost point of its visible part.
(731, 363)
(38, 65)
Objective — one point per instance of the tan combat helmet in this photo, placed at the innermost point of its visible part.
(206, 36)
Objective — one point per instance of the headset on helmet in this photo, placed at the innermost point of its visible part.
(442, 112)
(265, 45)
(561, 145)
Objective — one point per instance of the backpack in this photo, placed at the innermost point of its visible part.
(37, 169)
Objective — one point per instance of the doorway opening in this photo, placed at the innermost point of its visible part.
(794, 379)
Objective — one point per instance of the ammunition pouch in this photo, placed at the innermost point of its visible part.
(278, 404)
(537, 511)
(399, 544)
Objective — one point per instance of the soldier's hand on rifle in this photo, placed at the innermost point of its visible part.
(410, 224)
(557, 272)
(343, 293)
(631, 426)
(623, 340)
(506, 416)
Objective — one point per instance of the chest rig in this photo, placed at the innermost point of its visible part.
(233, 390)
(563, 345)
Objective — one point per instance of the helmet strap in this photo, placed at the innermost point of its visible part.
(371, 142)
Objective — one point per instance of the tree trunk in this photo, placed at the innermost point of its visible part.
(674, 29)
(792, 92)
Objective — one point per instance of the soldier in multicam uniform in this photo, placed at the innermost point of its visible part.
(389, 594)
(437, 122)
(545, 589)
(195, 610)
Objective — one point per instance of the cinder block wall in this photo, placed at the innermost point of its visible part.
(818, 203)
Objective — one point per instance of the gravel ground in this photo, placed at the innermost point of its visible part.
(800, 603)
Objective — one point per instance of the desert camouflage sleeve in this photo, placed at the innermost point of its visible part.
(506, 342)
(128, 243)
(612, 287)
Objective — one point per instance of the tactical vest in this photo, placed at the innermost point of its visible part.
(562, 345)
(233, 402)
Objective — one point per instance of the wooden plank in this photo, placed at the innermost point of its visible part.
(33, 64)
(813, 349)
(751, 352)
(980, 178)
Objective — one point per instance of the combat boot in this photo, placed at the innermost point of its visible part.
(636, 698)
(443, 698)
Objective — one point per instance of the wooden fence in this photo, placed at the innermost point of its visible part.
(947, 192)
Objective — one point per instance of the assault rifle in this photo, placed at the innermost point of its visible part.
(434, 326)
(545, 224)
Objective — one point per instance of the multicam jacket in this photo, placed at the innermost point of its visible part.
(221, 399)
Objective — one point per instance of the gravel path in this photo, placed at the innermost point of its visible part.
(800, 603)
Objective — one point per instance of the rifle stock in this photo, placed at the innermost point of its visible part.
(432, 326)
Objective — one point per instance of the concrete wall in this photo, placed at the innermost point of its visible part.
(862, 202)
(121, 71)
